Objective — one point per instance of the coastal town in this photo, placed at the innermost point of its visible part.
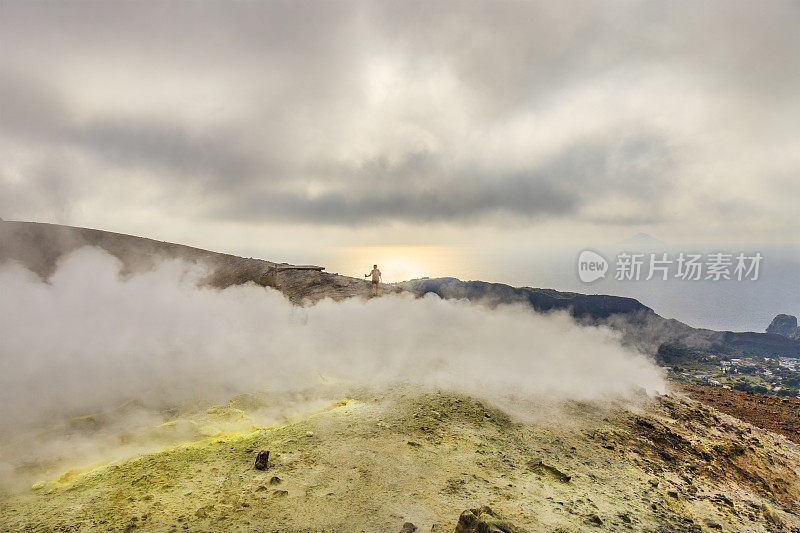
(775, 376)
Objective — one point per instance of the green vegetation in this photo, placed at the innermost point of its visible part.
(719, 367)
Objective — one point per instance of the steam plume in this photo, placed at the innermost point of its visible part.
(89, 338)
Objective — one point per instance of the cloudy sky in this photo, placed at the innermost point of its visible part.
(247, 126)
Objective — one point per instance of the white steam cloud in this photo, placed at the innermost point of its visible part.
(89, 339)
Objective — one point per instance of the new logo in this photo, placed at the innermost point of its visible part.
(591, 266)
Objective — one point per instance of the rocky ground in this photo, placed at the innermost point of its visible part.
(403, 460)
(779, 415)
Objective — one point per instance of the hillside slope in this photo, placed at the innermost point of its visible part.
(373, 462)
(38, 246)
(641, 325)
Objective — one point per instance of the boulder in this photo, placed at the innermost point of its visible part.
(484, 520)
(785, 325)
(262, 460)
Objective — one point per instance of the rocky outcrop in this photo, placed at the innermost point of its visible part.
(785, 325)
(483, 520)
(262, 460)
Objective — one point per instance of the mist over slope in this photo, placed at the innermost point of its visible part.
(90, 336)
(640, 325)
(93, 338)
(40, 246)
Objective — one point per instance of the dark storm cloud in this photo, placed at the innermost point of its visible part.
(37, 115)
(448, 199)
(350, 112)
(422, 188)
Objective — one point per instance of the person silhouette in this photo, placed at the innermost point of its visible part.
(376, 278)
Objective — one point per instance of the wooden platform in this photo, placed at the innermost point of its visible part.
(285, 266)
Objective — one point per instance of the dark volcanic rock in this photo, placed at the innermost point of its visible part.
(785, 325)
(408, 527)
(262, 460)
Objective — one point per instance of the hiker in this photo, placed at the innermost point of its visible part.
(376, 277)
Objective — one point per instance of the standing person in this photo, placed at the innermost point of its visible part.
(376, 278)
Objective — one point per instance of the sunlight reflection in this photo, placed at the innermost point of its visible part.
(396, 263)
